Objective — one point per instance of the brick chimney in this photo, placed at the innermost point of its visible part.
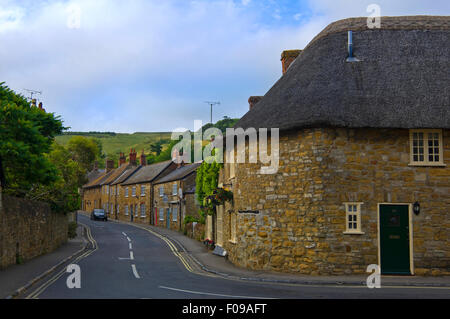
(133, 157)
(122, 159)
(287, 57)
(109, 165)
(252, 100)
(143, 159)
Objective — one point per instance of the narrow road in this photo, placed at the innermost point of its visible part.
(130, 262)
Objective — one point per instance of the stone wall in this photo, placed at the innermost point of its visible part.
(28, 229)
(195, 231)
(301, 216)
(91, 199)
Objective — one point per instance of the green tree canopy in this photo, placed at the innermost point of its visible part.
(26, 134)
(62, 194)
(84, 151)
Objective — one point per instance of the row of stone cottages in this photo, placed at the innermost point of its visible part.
(160, 194)
(364, 173)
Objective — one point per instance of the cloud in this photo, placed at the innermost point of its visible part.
(149, 65)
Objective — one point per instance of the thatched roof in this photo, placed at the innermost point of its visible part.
(401, 81)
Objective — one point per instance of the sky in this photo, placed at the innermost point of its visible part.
(150, 65)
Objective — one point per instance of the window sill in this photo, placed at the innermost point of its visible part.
(232, 242)
(353, 233)
(427, 164)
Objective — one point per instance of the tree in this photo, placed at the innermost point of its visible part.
(84, 151)
(26, 134)
(156, 148)
(62, 194)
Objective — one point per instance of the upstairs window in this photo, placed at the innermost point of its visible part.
(142, 190)
(161, 191)
(353, 218)
(174, 189)
(426, 148)
(126, 192)
(133, 191)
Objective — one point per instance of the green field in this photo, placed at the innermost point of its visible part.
(114, 143)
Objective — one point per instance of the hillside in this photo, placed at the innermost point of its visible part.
(114, 143)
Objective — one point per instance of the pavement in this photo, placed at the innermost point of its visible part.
(16, 278)
(222, 266)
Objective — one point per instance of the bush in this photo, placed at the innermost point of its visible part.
(73, 229)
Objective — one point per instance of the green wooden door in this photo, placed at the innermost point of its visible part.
(394, 239)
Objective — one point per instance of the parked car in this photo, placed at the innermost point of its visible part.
(99, 214)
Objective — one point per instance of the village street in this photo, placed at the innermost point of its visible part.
(130, 262)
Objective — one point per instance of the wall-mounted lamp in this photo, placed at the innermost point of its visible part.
(416, 208)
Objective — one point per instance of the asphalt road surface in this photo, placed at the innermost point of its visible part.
(130, 262)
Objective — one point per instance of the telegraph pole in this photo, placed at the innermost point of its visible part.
(212, 104)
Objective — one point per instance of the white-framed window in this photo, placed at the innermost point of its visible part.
(126, 210)
(142, 190)
(426, 147)
(174, 214)
(161, 213)
(118, 190)
(142, 210)
(161, 191)
(353, 218)
(107, 189)
(174, 189)
(126, 191)
(133, 191)
(136, 213)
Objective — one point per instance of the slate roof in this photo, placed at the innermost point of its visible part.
(401, 81)
(178, 173)
(147, 173)
(94, 174)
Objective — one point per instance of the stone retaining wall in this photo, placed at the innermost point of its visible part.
(28, 229)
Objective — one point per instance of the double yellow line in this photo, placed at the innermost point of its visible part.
(172, 248)
(35, 294)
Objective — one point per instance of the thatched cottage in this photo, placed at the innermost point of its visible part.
(364, 174)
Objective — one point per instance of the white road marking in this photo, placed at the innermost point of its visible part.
(135, 271)
(131, 246)
(212, 294)
(122, 258)
(129, 239)
(124, 234)
(131, 255)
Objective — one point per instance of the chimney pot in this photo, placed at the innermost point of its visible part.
(133, 157)
(122, 159)
(287, 57)
(143, 159)
(109, 165)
